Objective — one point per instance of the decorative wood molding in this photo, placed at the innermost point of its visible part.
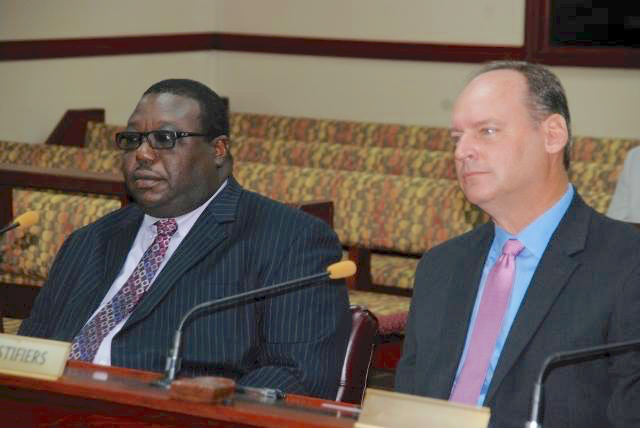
(63, 48)
(67, 48)
(538, 49)
(365, 48)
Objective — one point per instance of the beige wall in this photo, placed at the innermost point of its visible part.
(489, 22)
(36, 93)
(58, 19)
(369, 90)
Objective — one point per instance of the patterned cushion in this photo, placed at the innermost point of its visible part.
(596, 199)
(338, 131)
(54, 156)
(30, 252)
(380, 160)
(405, 214)
(18, 279)
(390, 310)
(101, 136)
(595, 176)
(26, 256)
(393, 271)
(11, 325)
(602, 150)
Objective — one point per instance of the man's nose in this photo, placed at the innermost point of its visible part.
(464, 147)
(144, 152)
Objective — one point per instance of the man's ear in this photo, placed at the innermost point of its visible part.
(556, 133)
(221, 149)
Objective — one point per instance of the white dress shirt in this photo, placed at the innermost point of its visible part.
(144, 238)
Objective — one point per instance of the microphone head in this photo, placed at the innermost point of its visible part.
(27, 219)
(342, 269)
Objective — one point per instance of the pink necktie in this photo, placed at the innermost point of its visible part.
(86, 343)
(493, 306)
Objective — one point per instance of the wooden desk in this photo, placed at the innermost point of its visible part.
(95, 396)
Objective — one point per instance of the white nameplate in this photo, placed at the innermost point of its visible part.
(33, 357)
(392, 409)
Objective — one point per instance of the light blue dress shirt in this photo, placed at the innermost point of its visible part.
(535, 238)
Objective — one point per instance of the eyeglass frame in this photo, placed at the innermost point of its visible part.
(144, 137)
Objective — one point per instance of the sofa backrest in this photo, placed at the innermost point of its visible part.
(367, 134)
(55, 156)
(395, 213)
(379, 160)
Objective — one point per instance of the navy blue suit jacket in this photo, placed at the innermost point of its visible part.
(585, 292)
(242, 241)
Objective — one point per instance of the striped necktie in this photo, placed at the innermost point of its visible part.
(86, 343)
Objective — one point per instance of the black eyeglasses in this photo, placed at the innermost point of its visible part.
(159, 140)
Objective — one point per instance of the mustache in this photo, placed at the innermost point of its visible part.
(143, 173)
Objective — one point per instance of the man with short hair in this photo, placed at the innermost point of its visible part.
(119, 286)
(548, 273)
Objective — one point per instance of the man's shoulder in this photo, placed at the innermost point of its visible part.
(599, 241)
(605, 231)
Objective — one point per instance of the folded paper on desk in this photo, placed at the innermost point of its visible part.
(33, 357)
(394, 410)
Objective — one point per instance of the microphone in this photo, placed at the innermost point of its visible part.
(339, 270)
(571, 356)
(24, 220)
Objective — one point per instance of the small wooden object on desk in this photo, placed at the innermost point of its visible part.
(208, 389)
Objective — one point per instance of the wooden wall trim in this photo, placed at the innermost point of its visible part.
(364, 48)
(64, 48)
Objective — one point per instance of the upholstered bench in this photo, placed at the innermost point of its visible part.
(396, 214)
(66, 200)
(339, 131)
(56, 156)
(26, 256)
(602, 150)
(595, 181)
(379, 160)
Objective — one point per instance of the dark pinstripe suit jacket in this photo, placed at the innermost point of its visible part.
(242, 241)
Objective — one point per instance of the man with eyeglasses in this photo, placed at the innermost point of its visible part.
(119, 287)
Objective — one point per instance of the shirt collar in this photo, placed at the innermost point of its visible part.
(536, 235)
(185, 221)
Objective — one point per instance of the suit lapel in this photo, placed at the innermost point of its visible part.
(207, 233)
(112, 246)
(463, 290)
(551, 276)
(118, 244)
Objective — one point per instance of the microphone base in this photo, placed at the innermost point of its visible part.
(165, 382)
